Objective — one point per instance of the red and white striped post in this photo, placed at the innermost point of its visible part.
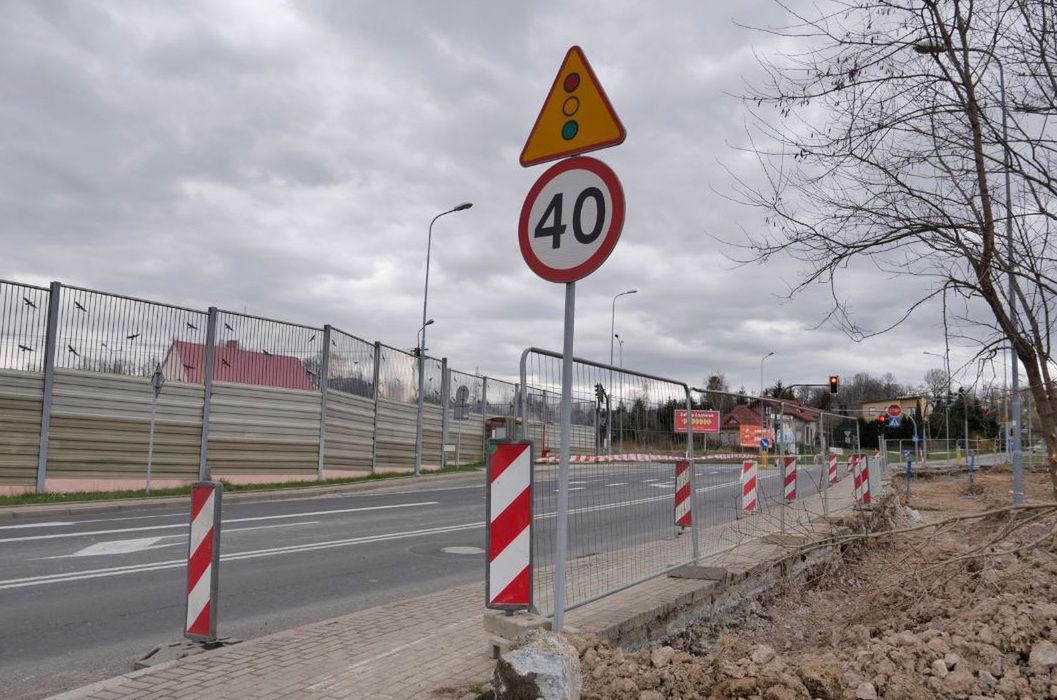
(861, 474)
(683, 500)
(833, 468)
(203, 562)
(509, 571)
(748, 486)
(789, 478)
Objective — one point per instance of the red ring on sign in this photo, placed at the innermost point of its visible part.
(610, 236)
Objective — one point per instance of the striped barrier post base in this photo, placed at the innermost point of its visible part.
(833, 468)
(789, 478)
(683, 501)
(509, 572)
(203, 562)
(749, 503)
(861, 484)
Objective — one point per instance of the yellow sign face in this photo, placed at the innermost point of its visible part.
(576, 116)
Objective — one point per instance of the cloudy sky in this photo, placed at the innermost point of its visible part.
(286, 158)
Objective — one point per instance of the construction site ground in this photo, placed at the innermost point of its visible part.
(946, 603)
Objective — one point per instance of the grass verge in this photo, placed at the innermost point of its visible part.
(29, 499)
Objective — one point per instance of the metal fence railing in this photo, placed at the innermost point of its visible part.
(350, 366)
(621, 509)
(23, 326)
(116, 334)
(51, 337)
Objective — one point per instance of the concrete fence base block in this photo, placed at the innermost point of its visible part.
(500, 624)
(701, 573)
(545, 666)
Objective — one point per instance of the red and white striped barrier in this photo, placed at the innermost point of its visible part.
(789, 478)
(832, 468)
(598, 459)
(853, 463)
(748, 486)
(203, 562)
(683, 501)
(862, 482)
(509, 573)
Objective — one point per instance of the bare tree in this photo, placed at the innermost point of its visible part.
(883, 140)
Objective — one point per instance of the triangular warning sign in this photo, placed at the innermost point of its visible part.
(576, 116)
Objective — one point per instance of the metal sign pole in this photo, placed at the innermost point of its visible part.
(561, 543)
(155, 383)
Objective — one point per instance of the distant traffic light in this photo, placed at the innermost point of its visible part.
(600, 393)
(882, 421)
(834, 384)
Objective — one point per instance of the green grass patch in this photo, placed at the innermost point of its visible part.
(29, 499)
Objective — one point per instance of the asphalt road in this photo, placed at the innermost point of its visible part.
(82, 597)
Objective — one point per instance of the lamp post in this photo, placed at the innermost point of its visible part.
(612, 335)
(761, 370)
(620, 342)
(422, 355)
(947, 403)
(621, 394)
(1018, 458)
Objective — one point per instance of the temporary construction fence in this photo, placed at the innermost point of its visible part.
(631, 431)
(622, 507)
(243, 397)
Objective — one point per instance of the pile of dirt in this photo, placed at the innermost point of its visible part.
(962, 609)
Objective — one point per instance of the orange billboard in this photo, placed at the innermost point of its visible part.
(750, 435)
(704, 421)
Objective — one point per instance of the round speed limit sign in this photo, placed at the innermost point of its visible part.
(571, 219)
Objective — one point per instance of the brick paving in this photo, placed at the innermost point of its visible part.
(433, 646)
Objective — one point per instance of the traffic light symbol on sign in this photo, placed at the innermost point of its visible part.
(576, 116)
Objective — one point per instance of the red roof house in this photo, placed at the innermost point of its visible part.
(185, 362)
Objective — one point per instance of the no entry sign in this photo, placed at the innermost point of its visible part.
(571, 219)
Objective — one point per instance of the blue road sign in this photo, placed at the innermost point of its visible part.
(916, 438)
(764, 443)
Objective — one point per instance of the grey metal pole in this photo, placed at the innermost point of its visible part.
(824, 461)
(155, 385)
(445, 395)
(49, 385)
(780, 436)
(1018, 456)
(422, 347)
(376, 395)
(612, 335)
(562, 537)
(207, 393)
(484, 417)
(324, 381)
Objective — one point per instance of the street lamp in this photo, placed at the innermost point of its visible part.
(621, 342)
(946, 404)
(931, 49)
(612, 335)
(419, 338)
(761, 370)
(422, 355)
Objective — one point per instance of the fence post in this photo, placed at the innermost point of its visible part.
(445, 395)
(207, 394)
(694, 512)
(49, 385)
(484, 416)
(376, 393)
(324, 385)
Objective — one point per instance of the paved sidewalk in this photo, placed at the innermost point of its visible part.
(394, 651)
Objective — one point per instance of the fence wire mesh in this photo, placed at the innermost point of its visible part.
(114, 334)
(23, 326)
(474, 388)
(350, 367)
(622, 506)
(264, 352)
(397, 375)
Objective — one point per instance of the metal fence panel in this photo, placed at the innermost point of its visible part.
(262, 352)
(21, 395)
(23, 323)
(351, 369)
(621, 507)
(114, 334)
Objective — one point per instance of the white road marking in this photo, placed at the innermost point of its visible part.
(53, 524)
(572, 488)
(619, 483)
(143, 544)
(225, 521)
(662, 486)
(252, 554)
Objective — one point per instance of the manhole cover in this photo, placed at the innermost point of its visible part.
(462, 550)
